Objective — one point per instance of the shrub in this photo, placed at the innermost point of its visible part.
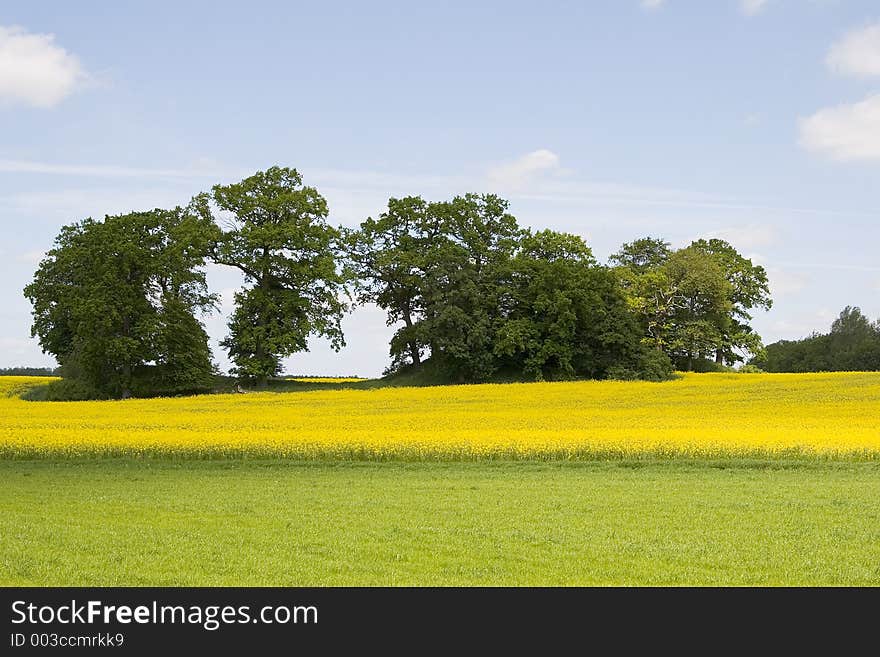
(63, 390)
(654, 365)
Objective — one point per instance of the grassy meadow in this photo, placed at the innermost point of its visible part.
(708, 480)
(119, 522)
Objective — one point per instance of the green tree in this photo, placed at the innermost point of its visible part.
(110, 295)
(466, 291)
(701, 317)
(852, 344)
(569, 317)
(391, 256)
(642, 255)
(749, 289)
(650, 292)
(276, 233)
(694, 303)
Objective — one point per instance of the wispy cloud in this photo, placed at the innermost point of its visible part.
(857, 53)
(841, 266)
(102, 171)
(34, 70)
(651, 5)
(524, 169)
(536, 176)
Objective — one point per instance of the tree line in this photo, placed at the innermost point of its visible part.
(476, 296)
(29, 371)
(852, 345)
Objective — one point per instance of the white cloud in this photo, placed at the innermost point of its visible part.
(652, 4)
(524, 169)
(752, 7)
(34, 70)
(750, 236)
(844, 132)
(858, 53)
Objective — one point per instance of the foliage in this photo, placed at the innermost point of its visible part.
(852, 344)
(391, 256)
(115, 301)
(694, 303)
(642, 255)
(568, 317)
(62, 390)
(486, 299)
(466, 288)
(277, 235)
(749, 289)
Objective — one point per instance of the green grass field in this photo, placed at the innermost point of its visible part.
(164, 522)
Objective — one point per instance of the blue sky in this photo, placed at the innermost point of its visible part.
(758, 122)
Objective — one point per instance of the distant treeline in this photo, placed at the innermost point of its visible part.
(28, 371)
(475, 296)
(852, 344)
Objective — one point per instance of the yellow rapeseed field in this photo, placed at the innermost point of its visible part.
(698, 415)
(325, 379)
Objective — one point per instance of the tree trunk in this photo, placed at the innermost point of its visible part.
(413, 347)
(719, 356)
(126, 367)
(126, 375)
(262, 380)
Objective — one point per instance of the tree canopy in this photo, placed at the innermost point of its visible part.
(694, 303)
(276, 233)
(115, 303)
(483, 297)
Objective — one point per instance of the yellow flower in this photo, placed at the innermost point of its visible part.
(698, 415)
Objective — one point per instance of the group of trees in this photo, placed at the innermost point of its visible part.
(118, 301)
(482, 296)
(853, 344)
